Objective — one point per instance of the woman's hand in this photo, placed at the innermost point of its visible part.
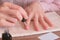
(7, 21)
(36, 13)
(14, 10)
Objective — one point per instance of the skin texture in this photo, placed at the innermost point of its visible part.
(6, 21)
(36, 13)
(13, 11)
(17, 8)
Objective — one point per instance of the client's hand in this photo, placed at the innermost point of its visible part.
(36, 13)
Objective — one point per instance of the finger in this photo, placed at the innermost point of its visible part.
(11, 12)
(4, 9)
(36, 25)
(8, 18)
(23, 13)
(27, 26)
(43, 23)
(4, 23)
(48, 21)
(11, 5)
(16, 14)
(30, 18)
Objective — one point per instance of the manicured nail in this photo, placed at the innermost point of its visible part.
(37, 29)
(46, 28)
(27, 27)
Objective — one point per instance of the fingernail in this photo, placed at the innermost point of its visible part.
(27, 27)
(37, 29)
(52, 25)
(46, 28)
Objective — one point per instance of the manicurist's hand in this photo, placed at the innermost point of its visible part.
(14, 11)
(7, 21)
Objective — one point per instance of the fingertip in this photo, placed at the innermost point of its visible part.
(37, 29)
(45, 28)
(27, 27)
(52, 24)
(26, 17)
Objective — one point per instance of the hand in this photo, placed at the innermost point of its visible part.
(13, 11)
(7, 21)
(36, 13)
